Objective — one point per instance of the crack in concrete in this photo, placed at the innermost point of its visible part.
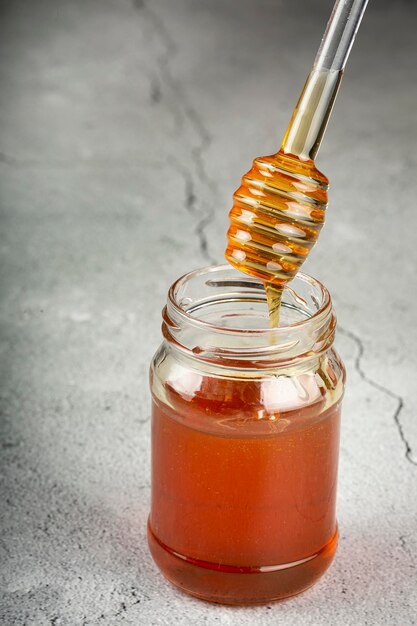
(163, 74)
(406, 548)
(191, 205)
(190, 198)
(382, 389)
(402, 541)
(189, 113)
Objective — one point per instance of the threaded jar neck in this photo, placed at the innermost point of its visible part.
(219, 315)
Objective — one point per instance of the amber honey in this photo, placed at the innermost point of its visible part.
(242, 511)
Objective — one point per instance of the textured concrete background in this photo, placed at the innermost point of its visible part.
(125, 128)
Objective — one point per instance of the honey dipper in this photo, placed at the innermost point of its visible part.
(279, 208)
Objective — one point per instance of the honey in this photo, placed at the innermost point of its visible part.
(242, 512)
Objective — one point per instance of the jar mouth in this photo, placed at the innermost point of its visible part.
(220, 311)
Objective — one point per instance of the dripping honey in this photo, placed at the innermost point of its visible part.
(273, 300)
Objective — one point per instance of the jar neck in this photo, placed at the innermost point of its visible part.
(219, 316)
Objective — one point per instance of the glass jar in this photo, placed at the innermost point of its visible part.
(245, 438)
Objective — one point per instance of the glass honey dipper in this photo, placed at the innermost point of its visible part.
(279, 209)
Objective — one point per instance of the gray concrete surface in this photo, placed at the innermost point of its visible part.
(125, 128)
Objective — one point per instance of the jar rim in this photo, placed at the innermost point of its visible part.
(311, 335)
(173, 297)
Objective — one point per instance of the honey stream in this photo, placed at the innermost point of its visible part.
(273, 299)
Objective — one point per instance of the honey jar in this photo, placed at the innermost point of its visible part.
(245, 438)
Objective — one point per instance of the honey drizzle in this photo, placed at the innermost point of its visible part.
(273, 298)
